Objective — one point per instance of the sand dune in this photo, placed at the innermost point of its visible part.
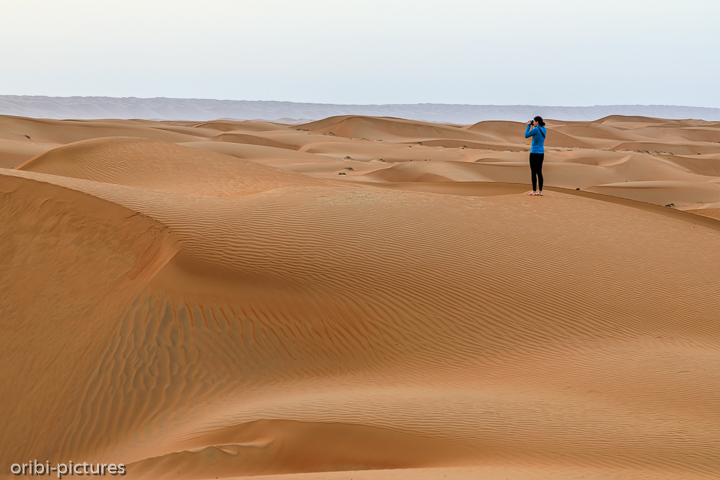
(163, 166)
(376, 128)
(246, 139)
(15, 152)
(66, 131)
(513, 133)
(198, 308)
(667, 192)
(245, 126)
(672, 149)
(711, 210)
(257, 153)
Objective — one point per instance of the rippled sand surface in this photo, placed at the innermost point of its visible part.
(361, 298)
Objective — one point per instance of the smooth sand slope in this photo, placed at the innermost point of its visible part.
(214, 300)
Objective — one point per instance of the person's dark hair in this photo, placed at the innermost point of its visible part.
(540, 121)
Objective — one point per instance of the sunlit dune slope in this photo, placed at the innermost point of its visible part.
(161, 166)
(258, 153)
(374, 128)
(242, 126)
(664, 193)
(247, 139)
(312, 328)
(16, 152)
(71, 263)
(67, 131)
(711, 210)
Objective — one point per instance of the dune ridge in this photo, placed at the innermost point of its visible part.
(196, 311)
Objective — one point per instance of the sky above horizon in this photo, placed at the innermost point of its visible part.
(554, 52)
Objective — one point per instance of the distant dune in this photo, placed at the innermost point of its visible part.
(360, 298)
(289, 112)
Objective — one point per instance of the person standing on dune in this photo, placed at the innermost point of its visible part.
(536, 129)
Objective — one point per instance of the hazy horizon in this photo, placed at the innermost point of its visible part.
(163, 108)
(268, 100)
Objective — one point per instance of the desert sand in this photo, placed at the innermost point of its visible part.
(361, 298)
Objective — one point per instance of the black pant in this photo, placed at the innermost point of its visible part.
(536, 160)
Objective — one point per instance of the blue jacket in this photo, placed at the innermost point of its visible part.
(538, 138)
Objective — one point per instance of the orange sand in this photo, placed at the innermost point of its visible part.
(215, 300)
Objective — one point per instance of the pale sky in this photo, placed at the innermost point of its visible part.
(487, 52)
